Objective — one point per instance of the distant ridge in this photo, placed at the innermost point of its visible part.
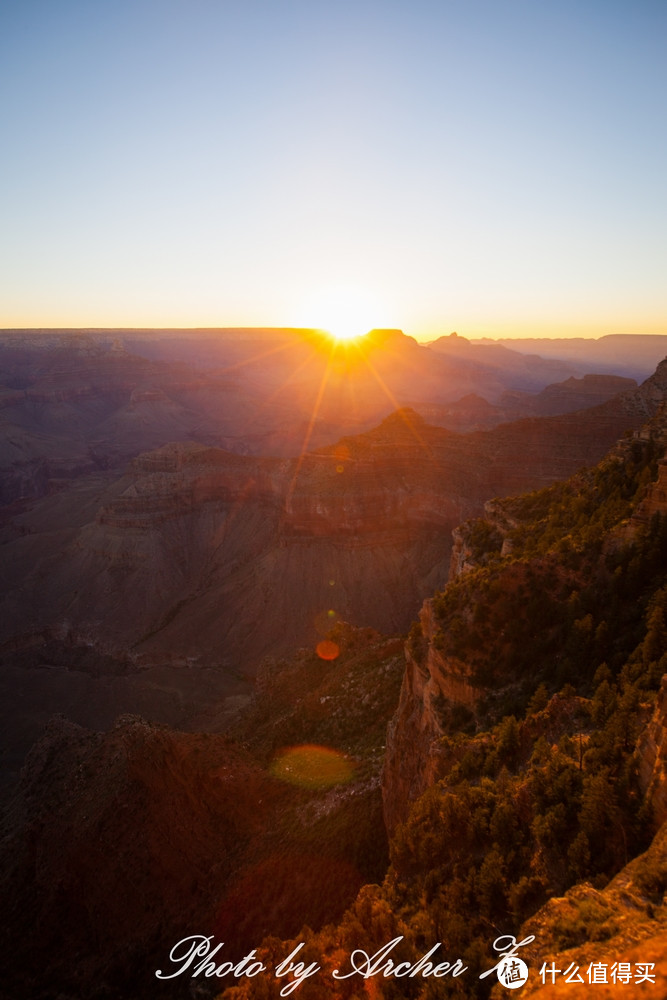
(634, 354)
(161, 331)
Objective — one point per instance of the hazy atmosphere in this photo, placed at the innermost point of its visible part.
(492, 168)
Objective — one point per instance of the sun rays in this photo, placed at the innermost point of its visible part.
(347, 357)
(333, 368)
(344, 312)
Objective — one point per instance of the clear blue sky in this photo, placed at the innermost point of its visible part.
(489, 166)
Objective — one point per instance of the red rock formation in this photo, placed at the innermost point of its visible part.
(626, 922)
(413, 760)
(652, 758)
(656, 498)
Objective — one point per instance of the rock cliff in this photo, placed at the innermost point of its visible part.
(656, 499)
(414, 759)
(626, 922)
(652, 759)
(435, 680)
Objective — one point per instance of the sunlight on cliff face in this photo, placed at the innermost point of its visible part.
(312, 766)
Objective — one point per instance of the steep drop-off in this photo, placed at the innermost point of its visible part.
(524, 801)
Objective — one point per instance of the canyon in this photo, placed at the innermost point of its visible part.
(143, 574)
(187, 569)
(169, 603)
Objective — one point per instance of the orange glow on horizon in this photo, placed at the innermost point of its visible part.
(344, 312)
(344, 336)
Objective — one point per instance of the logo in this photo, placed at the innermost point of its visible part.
(512, 972)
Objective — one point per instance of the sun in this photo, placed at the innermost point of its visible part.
(344, 312)
(345, 331)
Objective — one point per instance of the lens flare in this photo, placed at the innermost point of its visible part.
(324, 621)
(327, 650)
(312, 766)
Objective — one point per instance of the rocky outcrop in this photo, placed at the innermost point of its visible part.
(463, 557)
(656, 498)
(626, 922)
(652, 758)
(178, 478)
(475, 542)
(649, 397)
(414, 759)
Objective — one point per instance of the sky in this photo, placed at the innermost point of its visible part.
(494, 167)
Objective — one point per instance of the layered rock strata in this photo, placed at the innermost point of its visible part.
(414, 760)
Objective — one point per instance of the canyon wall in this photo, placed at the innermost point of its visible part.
(652, 758)
(414, 757)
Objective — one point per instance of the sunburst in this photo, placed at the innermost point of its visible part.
(344, 312)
